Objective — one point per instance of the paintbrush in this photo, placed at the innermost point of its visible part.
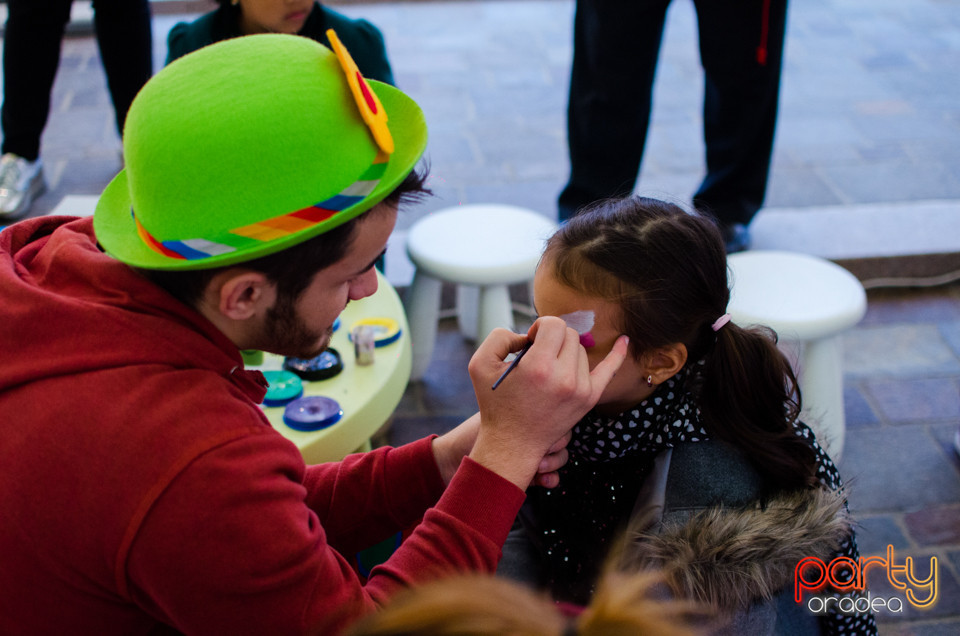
(579, 321)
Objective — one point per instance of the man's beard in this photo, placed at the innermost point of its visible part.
(289, 336)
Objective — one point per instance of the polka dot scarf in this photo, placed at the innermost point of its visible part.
(667, 416)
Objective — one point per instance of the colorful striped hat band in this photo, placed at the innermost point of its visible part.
(373, 115)
(269, 229)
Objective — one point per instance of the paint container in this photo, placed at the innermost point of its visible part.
(251, 357)
(324, 366)
(312, 413)
(364, 342)
(284, 387)
(386, 330)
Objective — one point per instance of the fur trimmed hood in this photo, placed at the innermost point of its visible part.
(730, 557)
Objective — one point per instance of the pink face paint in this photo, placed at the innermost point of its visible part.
(581, 322)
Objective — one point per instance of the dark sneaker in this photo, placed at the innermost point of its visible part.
(21, 182)
(736, 237)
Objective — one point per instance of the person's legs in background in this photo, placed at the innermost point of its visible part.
(31, 54)
(615, 51)
(125, 40)
(741, 49)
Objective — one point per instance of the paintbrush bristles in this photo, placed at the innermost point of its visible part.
(580, 321)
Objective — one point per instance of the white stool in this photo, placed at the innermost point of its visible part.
(487, 246)
(809, 302)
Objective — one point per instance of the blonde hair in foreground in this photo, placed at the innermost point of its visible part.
(480, 605)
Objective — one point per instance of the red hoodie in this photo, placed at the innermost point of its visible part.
(143, 489)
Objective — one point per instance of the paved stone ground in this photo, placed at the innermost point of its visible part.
(870, 115)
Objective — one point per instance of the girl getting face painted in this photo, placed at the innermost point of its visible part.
(658, 274)
(599, 323)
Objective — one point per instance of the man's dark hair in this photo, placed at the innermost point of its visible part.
(291, 269)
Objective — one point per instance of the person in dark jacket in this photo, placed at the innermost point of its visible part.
(307, 18)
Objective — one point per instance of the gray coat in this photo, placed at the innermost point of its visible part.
(699, 522)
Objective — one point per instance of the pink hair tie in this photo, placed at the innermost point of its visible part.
(720, 322)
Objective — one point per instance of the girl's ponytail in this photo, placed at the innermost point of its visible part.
(747, 393)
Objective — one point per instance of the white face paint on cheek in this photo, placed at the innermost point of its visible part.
(582, 322)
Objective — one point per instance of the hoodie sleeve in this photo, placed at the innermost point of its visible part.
(231, 546)
(369, 496)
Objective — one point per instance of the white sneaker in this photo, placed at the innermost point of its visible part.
(21, 181)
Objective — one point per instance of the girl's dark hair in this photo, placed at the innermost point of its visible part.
(666, 268)
(291, 269)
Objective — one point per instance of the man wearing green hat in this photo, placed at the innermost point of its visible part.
(143, 487)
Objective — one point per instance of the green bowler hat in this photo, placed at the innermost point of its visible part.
(250, 146)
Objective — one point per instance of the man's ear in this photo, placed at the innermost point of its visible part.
(242, 294)
(664, 362)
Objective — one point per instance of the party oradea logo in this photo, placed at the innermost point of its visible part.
(837, 586)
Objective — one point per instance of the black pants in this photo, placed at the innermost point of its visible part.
(31, 55)
(615, 50)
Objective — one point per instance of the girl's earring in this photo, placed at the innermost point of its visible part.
(649, 380)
